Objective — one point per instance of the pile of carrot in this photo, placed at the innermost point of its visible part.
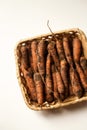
(54, 69)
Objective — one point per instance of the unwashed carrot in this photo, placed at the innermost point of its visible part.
(41, 57)
(60, 85)
(82, 76)
(83, 63)
(64, 75)
(48, 64)
(52, 51)
(60, 50)
(77, 47)
(55, 89)
(67, 51)
(28, 75)
(49, 86)
(34, 55)
(24, 53)
(30, 59)
(49, 89)
(39, 88)
(70, 90)
(75, 83)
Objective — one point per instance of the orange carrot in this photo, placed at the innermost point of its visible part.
(60, 85)
(59, 44)
(82, 77)
(30, 83)
(49, 86)
(75, 83)
(30, 56)
(34, 55)
(83, 63)
(77, 47)
(24, 53)
(64, 75)
(48, 89)
(60, 50)
(39, 88)
(70, 90)
(41, 57)
(52, 51)
(55, 89)
(67, 51)
(48, 64)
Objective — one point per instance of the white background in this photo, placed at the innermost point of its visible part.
(26, 18)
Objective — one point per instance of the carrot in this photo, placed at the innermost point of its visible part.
(34, 55)
(49, 89)
(39, 88)
(49, 86)
(59, 44)
(64, 75)
(52, 51)
(60, 85)
(30, 56)
(30, 82)
(75, 83)
(48, 64)
(55, 89)
(41, 57)
(77, 49)
(70, 90)
(82, 77)
(60, 50)
(83, 63)
(24, 53)
(67, 51)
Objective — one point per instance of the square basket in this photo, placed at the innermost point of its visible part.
(21, 79)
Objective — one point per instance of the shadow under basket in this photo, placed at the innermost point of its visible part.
(55, 104)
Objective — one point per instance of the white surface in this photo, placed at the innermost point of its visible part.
(25, 18)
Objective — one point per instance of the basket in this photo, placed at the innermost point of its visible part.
(21, 80)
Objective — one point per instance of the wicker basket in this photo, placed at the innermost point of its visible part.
(53, 105)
